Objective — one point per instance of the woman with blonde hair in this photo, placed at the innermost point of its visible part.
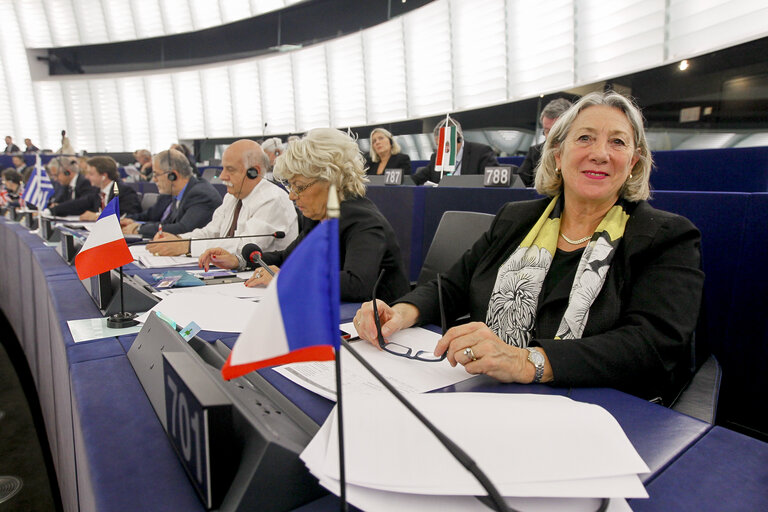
(590, 286)
(385, 153)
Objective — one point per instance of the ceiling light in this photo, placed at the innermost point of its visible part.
(684, 65)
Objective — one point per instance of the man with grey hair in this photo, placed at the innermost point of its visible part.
(252, 206)
(471, 158)
(552, 111)
(188, 202)
(273, 147)
(144, 163)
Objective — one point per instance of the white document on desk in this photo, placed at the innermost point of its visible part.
(211, 313)
(407, 375)
(147, 260)
(528, 445)
(234, 290)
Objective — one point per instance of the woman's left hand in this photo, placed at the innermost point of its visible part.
(479, 350)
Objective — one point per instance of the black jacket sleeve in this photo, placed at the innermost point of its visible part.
(528, 167)
(86, 199)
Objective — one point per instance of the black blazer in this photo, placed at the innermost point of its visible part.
(130, 202)
(12, 148)
(475, 159)
(637, 338)
(194, 211)
(527, 169)
(398, 161)
(84, 198)
(367, 244)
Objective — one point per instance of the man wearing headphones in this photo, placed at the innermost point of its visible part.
(188, 202)
(471, 158)
(102, 172)
(75, 195)
(252, 206)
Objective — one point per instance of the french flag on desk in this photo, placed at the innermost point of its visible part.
(298, 318)
(105, 247)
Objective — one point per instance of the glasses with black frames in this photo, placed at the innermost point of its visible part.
(401, 350)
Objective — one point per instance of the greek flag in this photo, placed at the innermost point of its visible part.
(39, 189)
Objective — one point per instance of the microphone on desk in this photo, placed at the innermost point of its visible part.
(276, 234)
(252, 253)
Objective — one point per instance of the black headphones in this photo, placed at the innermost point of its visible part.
(252, 173)
(169, 173)
(66, 171)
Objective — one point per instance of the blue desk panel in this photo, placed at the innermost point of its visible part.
(125, 461)
(724, 471)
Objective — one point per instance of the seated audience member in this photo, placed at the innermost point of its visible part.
(590, 286)
(143, 163)
(13, 185)
(549, 115)
(76, 194)
(183, 149)
(10, 147)
(52, 169)
(102, 172)
(273, 148)
(191, 202)
(66, 146)
(367, 242)
(31, 148)
(385, 154)
(21, 167)
(471, 158)
(252, 206)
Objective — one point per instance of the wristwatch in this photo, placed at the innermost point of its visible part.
(537, 359)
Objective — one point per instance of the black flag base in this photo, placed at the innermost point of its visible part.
(122, 320)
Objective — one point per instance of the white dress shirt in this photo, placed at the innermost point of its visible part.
(265, 210)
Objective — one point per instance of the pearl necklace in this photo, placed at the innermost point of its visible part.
(575, 242)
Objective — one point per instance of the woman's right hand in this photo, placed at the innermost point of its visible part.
(392, 319)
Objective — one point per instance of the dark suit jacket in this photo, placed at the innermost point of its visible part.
(194, 211)
(32, 149)
(130, 202)
(13, 148)
(398, 161)
(637, 338)
(367, 244)
(84, 198)
(528, 168)
(475, 159)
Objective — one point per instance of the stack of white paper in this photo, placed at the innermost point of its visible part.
(210, 313)
(407, 375)
(550, 451)
(142, 255)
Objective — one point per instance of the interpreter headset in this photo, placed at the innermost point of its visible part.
(169, 174)
(66, 171)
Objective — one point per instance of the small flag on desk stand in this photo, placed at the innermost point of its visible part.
(298, 318)
(445, 155)
(106, 249)
(40, 188)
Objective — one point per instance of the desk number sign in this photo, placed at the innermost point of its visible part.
(393, 176)
(197, 419)
(497, 177)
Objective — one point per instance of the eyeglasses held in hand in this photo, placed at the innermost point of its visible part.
(396, 348)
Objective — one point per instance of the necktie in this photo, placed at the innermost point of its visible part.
(71, 192)
(103, 199)
(232, 228)
(169, 211)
